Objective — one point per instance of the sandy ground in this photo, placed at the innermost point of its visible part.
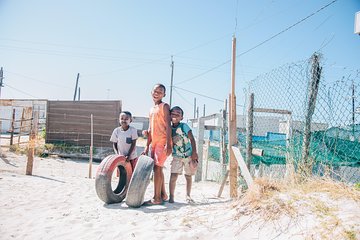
(59, 202)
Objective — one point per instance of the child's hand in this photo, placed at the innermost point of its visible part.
(127, 159)
(194, 156)
(146, 151)
(145, 133)
(193, 164)
(168, 149)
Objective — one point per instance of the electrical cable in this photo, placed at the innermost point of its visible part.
(261, 43)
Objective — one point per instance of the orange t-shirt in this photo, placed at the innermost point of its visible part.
(158, 124)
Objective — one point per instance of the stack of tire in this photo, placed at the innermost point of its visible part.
(131, 185)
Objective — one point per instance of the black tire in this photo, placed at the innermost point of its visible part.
(139, 181)
(103, 179)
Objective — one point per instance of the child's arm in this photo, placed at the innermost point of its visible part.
(148, 142)
(132, 148)
(194, 155)
(115, 148)
(168, 129)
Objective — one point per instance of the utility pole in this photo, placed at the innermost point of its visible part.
(79, 95)
(232, 126)
(172, 78)
(204, 111)
(353, 108)
(76, 86)
(1, 79)
(194, 108)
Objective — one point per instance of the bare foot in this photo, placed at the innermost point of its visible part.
(151, 202)
(165, 197)
(189, 200)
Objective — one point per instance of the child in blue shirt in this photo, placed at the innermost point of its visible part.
(184, 153)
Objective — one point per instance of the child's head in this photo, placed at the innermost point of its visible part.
(158, 92)
(176, 114)
(125, 118)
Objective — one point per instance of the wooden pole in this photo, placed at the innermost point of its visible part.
(194, 108)
(223, 183)
(79, 95)
(207, 158)
(12, 128)
(313, 90)
(31, 146)
(200, 146)
(249, 130)
(172, 80)
(222, 139)
(91, 145)
(21, 125)
(232, 127)
(1, 79)
(289, 145)
(76, 86)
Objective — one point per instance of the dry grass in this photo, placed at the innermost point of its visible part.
(268, 200)
(263, 197)
(335, 190)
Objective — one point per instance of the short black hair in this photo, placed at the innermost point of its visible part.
(161, 85)
(127, 113)
(177, 108)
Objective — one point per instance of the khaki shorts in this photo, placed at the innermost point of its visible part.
(178, 165)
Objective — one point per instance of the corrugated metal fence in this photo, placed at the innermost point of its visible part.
(69, 122)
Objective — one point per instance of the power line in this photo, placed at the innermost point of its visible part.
(286, 29)
(261, 43)
(201, 74)
(76, 46)
(183, 98)
(202, 95)
(20, 91)
(31, 78)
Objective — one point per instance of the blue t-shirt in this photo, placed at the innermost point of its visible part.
(181, 142)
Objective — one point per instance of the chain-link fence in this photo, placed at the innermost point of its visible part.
(302, 119)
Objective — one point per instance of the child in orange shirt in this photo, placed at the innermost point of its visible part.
(159, 136)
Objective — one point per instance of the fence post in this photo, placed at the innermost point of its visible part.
(31, 146)
(21, 125)
(249, 130)
(12, 128)
(200, 145)
(91, 145)
(289, 145)
(312, 94)
(207, 148)
(222, 139)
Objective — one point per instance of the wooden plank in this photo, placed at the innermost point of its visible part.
(244, 170)
(223, 183)
(270, 110)
(212, 127)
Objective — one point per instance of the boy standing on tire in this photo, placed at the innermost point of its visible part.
(159, 136)
(124, 138)
(184, 153)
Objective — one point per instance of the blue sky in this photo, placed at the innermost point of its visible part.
(122, 48)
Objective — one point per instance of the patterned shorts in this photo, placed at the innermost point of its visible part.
(178, 165)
